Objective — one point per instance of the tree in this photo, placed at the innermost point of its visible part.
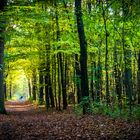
(83, 52)
(2, 29)
(106, 52)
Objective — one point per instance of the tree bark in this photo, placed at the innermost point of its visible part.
(106, 54)
(83, 52)
(41, 93)
(92, 90)
(63, 86)
(77, 71)
(139, 78)
(29, 87)
(117, 74)
(55, 95)
(10, 93)
(127, 59)
(34, 85)
(2, 29)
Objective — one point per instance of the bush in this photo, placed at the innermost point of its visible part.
(85, 102)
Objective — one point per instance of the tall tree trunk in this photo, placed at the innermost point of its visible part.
(29, 87)
(77, 71)
(34, 85)
(106, 54)
(41, 82)
(55, 95)
(128, 77)
(48, 84)
(66, 76)
(64, 95)
(10, 93)
(83, 53)
(2, 29)
(134, 81)
(99, 80)
(5, 91)
(127, 59)
(47, 100)
(139, 78)
(117, 74)
(92, 91)
(51, 94)
(59, 85)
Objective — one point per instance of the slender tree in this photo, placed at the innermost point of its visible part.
(127, 58)
(34, 84)
(77, 72)
(139, 78)
(60, 59)
(106, 53)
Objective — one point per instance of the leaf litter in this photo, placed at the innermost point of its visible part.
(29, 122)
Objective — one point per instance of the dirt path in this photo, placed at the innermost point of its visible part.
(12, 106)
(26, 122)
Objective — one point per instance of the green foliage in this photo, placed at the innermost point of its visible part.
(85, 101)
(30, 99)
(78, 110)
(40, 102)
(103, 109)
(136, 112)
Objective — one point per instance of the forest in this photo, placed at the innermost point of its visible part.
(69, 69)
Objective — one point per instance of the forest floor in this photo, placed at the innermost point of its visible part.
(28, 122)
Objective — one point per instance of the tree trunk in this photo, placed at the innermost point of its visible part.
(47, 100)
(83, 53)
(5, 91)
(92, 79)
(2, 29)
(41, 93)
(54, 58)
(127, 60)
(139, 78)
(59, 85)
(117, 74)
(59, 55)
(48, 85)
(34, 85)
(106, 54)
(78, 81)
(10, 93)
(64, 95)
(29, 87)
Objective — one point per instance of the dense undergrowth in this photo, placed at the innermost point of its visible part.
(112, 110)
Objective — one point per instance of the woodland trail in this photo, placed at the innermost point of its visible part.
(19, 106)
(27, 122)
